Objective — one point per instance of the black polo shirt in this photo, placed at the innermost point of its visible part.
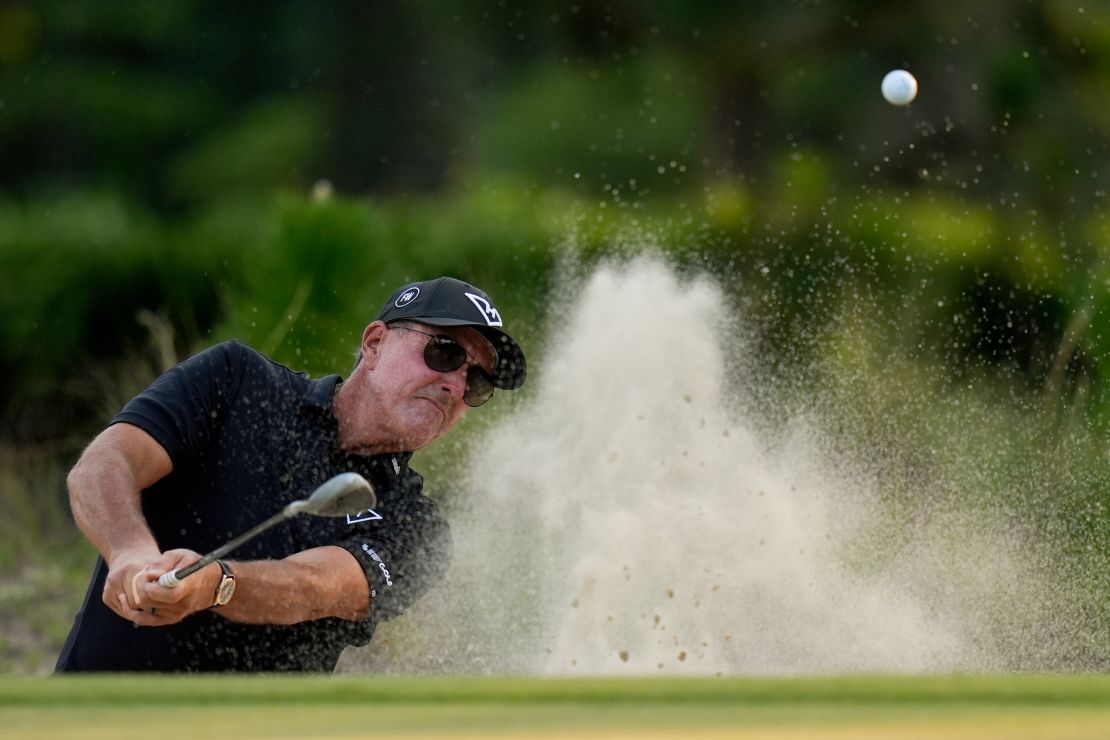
(246, 437)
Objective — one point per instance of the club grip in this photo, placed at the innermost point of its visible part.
(169, 579)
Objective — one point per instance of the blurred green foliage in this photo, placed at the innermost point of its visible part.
(167, 160)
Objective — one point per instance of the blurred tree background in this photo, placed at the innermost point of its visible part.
(172, 174)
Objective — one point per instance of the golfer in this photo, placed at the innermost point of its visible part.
(227, 438)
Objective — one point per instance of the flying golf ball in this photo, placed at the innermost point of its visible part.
(899, 87)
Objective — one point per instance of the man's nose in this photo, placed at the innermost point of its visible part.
(454, 381)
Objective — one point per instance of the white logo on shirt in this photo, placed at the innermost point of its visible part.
(381, 566)
(363, 516)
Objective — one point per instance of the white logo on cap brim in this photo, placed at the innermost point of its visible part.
(407, 297)
(489, 313)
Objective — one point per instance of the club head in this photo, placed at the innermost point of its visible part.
(346, 493)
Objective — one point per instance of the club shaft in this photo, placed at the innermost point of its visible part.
(220, 552)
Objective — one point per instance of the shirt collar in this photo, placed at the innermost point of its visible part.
(320, 394)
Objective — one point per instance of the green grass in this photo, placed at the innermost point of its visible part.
(349, 706)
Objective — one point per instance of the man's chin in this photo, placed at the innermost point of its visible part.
(426, 428)
(418, 441)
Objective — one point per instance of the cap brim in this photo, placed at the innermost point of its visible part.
(511, 367)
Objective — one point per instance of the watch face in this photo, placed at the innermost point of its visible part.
(224, 592)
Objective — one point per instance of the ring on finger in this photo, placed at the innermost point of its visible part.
(153, 612)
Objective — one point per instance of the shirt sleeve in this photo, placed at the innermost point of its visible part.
(183, 406)
(404, 555)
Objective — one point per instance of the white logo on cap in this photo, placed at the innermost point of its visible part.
(489, 313)
(407, 297)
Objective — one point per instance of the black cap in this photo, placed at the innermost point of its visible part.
(446, 301)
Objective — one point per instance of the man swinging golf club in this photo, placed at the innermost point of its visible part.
(227, 438)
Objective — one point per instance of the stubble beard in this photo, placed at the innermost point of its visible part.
(423, 422)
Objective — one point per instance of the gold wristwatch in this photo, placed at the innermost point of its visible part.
(226, 587)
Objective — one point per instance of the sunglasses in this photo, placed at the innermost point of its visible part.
(443, 354)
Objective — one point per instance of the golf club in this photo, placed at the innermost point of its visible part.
(346, 493)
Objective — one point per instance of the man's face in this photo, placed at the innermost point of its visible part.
(422, 404)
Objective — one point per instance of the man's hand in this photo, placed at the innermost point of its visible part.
(158, 605)
(121, 589)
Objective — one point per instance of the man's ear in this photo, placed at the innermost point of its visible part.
(372, 337)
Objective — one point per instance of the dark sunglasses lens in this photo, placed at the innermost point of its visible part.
(479, 387)
(444, 354)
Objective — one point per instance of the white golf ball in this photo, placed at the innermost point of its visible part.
(899, 87)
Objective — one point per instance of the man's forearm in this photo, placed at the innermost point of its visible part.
(313, 584)
(105, 491)
(106, 484)
(106, 502)
(317, 583)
